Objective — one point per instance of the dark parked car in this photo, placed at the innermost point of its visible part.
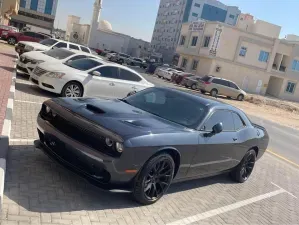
(191, 82)
(149, 140)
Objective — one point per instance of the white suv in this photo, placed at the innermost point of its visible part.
(50, 43)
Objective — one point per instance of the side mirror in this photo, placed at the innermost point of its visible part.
(218, 128)
(96, 73)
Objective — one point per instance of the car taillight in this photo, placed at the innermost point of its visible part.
(206, 82)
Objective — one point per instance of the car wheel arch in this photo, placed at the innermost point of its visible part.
(256, 149)
(78, 82)
(174, 153)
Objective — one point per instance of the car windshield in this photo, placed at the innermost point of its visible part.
(170, 105)
(84, 64)
(59, 53)
(48, 42)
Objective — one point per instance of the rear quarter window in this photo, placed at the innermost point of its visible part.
(84, 49)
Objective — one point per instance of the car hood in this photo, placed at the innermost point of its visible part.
(38, 56)
(57, 67)
(119, 117)
(35, 45)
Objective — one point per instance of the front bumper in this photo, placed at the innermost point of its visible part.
(25, 68)
(20, 50)
(47, 83)
(100, 169)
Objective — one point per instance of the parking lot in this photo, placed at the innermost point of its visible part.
(39, 191)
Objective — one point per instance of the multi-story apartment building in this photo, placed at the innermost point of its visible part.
(250, 53)
(39, 15)
(172, 13)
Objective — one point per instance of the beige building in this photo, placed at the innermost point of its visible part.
(251, 54)
(76, 32)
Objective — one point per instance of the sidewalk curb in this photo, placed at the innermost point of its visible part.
(5, 135)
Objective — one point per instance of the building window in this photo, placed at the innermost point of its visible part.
(33, 4)
(264, 56)
(195, 14)
(243, 51)
(291, 87)
(206, 41)
(183, 38)
(184, 63)
(197, 5)
(194, 41)
(231, 16)
(49, 6)
(295, 65)
(194, 64)
(23, 3)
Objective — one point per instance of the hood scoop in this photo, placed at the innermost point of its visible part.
(94, 109)
(137, 123)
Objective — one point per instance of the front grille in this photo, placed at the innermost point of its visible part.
(77, 133)
(39, 71)
(21, 45)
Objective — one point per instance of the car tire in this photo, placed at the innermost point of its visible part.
(193, 86)
(242, 172)
(203, 92)
(148, 178)
(240, 97)
(11, 40)
(214, 92)
(72, 89)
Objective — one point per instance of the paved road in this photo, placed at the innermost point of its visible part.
(39, 191)
(283, 140)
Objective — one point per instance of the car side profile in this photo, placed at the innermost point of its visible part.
(88, 77)
(50, 43)
(133, 61)
(13, 37)
(151, 139)
(219, 86)
(29, 60)
(191, 82)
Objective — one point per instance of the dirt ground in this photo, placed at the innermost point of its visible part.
(286, 113)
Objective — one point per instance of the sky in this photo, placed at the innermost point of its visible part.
(137, 17)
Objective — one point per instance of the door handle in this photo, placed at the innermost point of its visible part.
(235, 139)
(112, 84)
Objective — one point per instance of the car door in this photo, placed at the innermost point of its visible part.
(215, 153)
(103, 85)
(128, 82)
(234, 90)
(27, 36)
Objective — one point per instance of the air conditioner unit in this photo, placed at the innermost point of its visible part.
(218, 69)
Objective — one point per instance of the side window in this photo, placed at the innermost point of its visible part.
(222, 116)
(29, 34)
(216, 81)
(78, 57)
(127, 75)
(74, 47)
(239, 123)
(61, 45)
(108, 72)
(84, 49)
(232, 85)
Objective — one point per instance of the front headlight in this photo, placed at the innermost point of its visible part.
(57, 75)
(37, 61)
(29, 48)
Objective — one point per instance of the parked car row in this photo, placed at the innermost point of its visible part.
(74, 73)
(207, 84)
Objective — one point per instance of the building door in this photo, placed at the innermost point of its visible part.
(259, 86)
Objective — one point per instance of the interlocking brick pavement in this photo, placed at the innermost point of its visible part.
(7, 57)
(39, 191)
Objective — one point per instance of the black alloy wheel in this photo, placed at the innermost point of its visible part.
(243, 171)
(193, 87)
(154, 179)
(11, 40)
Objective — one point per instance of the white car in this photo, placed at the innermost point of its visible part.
(47, 44)
(110, 55)
(88, 78)
(29, 60)
(166, 74)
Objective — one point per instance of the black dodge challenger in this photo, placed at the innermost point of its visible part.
(147, 141)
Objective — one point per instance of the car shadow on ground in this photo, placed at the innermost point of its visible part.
(7, 68)
(9, 55)
(39, 184)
